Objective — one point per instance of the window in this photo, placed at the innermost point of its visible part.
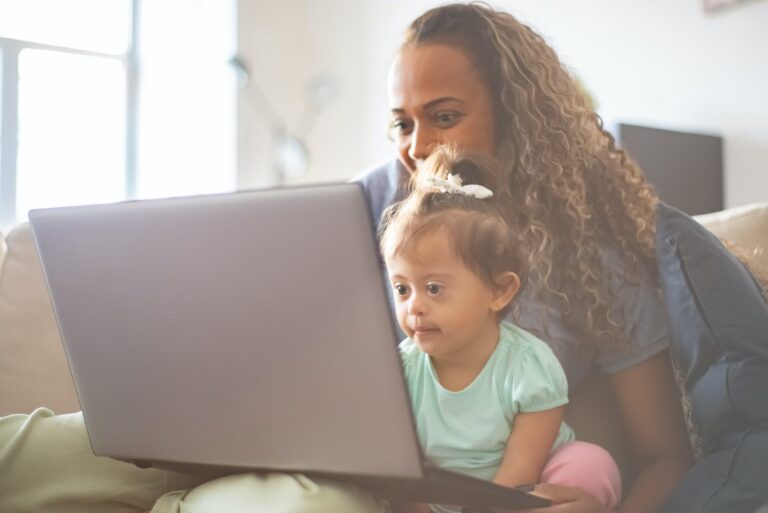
(71, 130)
(188, 97)
(77, 124)
(63, 103)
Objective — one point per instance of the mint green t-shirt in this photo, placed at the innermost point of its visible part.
(467, 431)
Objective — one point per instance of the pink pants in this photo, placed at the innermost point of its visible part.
(586, 466)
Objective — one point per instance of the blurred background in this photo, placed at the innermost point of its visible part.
(106, 100)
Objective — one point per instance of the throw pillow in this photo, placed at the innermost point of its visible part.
(718, 322)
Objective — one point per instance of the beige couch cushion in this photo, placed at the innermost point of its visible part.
(33, 367)
(746, 226)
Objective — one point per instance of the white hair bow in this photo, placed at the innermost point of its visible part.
(452, 185)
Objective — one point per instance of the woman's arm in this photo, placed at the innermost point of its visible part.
(528, 447)
(649, 404)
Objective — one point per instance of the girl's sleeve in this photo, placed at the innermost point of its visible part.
(536, 381)
(408, 355)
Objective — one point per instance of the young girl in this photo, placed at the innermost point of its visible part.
(488, 396)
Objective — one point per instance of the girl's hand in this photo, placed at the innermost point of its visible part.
(566, 499)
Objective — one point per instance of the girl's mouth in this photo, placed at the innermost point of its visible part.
(423, 331)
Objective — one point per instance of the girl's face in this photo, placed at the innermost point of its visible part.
(437, 96)
(441, 304)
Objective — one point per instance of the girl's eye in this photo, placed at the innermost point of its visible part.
(446, 118)
(433, 288)
(401, 290)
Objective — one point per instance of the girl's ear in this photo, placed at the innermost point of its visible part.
(505, 289)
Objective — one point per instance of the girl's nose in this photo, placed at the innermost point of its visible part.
(416, 305)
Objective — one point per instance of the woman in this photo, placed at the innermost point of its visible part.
(480, 80)
(476, 78)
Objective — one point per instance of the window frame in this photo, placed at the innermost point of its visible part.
(10, 49)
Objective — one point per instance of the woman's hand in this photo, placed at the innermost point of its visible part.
(566, 499)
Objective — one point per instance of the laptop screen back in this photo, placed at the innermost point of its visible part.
(248, 330)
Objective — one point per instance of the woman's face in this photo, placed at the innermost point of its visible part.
(436, 96)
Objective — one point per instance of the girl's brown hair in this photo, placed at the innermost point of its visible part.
(477, 229)
(571, 191)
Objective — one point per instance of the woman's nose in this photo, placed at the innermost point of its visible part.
(421, 144)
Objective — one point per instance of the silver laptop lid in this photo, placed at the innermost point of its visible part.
(248, 329)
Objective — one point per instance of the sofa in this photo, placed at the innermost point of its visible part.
(34, 370)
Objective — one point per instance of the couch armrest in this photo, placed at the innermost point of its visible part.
(33, 368)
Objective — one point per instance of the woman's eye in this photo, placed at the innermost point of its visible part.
(445, 119)
(433, 288)
(399, 126)
(401, 290)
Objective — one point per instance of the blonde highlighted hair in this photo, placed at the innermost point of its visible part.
(571, 192)
(477, 230)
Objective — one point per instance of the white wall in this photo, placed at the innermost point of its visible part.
(660, 63)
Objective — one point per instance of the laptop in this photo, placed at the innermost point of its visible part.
(247, 330)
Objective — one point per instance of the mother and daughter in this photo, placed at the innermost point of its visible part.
(549, 213)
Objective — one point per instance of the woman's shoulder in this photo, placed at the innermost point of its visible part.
(625, 278)
(381, 177)
(636, 298)
(382, 185)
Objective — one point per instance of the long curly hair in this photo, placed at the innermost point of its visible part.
(573, 192)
